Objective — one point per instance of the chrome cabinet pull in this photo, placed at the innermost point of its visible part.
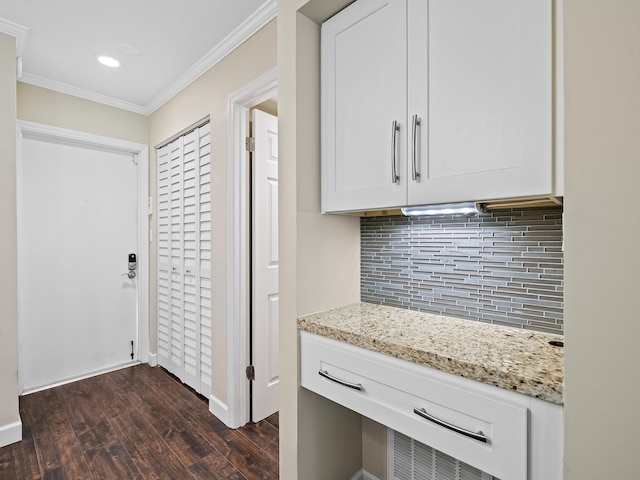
(415, 123)
(395, 128)
(479, 436)
(325, 374)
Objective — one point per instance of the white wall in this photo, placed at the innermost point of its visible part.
(8, 241)
(602, 238)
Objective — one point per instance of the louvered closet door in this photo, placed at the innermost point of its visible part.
(191, 307)
(164, 251)
(176, 363)
(204, 247)
(184, 259)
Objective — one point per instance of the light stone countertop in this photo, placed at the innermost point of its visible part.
(509, 358)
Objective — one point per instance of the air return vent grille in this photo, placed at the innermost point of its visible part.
(412, 460)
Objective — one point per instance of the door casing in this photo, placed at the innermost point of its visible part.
(140, 153)
(235, 412)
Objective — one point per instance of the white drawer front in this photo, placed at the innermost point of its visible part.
(391, 389)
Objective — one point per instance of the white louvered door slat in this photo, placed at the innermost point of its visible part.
(177, 324)
(164, 248)
(184, 259)
(204, 254)
(190, 277)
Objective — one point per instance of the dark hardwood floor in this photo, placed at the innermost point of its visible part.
(135, 423)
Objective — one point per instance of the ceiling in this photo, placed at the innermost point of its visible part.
(162, 45)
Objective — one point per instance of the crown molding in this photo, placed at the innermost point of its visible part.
(15, 30)
(67, 89)
(267, 11)
(262, 16)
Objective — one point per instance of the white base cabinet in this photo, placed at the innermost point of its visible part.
(503, 433)
(436, 101)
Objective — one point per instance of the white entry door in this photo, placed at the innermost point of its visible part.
(264, 318)
(78, 214)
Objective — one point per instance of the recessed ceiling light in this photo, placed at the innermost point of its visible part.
(108, 61)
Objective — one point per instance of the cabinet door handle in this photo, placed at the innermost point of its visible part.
(325, 374)
(395, 128)
(415, 123)
(479, 436)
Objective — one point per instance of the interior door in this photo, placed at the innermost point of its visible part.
(264, 318)
(79, 225)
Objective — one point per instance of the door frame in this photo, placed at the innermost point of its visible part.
(140, 154)
(236, 411)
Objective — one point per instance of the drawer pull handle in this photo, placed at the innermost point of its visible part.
(479, 436)
(325, 374)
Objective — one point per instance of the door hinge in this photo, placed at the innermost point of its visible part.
(250, 144)
(251, 372)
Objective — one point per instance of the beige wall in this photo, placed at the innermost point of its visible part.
(208, 96)
(40, 105)
(320, 257)
(374, 448)
(8, 241)
(602, 238)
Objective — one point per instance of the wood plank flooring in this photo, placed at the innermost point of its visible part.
(137, 423)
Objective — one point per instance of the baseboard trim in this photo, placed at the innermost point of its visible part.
(95, 373)
(10, 433)
(364, 475)
(219, 409)
(152, 359)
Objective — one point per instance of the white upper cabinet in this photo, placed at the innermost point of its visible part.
(468, 84)
(364, 86)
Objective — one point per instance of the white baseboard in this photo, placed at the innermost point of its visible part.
(10, 433)
(152, 359)
(364, 475)
(219, 409)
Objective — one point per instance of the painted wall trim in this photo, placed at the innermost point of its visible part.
(15, 30)
(265, 13)
(67, 89)
(141, 155)
(251, 25)
(219, 410)
(239, 219)
(364, 475)
(10, 433)
(152, 359)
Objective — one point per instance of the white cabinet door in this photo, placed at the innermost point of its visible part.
(480, 82)
(363, 93)
(477, 77)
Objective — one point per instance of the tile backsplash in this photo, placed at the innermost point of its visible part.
(503, 267)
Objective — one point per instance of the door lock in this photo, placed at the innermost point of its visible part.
(133, 264)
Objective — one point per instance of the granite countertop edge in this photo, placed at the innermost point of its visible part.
(513, 359)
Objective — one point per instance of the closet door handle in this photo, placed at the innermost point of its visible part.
(395, 128)
(415, 123)
(479, 436)
(325, 374)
